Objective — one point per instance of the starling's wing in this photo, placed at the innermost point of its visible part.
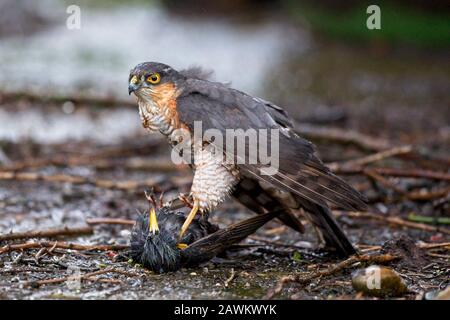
(299, 171)
(210, 246)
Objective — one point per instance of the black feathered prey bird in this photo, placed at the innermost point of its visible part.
(170, 101)
(155, 243)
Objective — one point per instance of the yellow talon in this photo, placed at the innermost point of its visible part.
(182, 246)
(189, 218)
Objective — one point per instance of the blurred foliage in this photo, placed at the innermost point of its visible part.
(400, 23)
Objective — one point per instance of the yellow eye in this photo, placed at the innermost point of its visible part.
(154, 78)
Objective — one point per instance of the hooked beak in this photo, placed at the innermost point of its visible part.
(133, 85)
(153, 223)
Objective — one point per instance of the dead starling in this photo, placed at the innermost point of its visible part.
(156, 246)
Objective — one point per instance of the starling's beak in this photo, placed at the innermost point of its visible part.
(133, 85)
(153, 224)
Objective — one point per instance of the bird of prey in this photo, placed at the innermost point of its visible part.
(155, 244)
(170, 100)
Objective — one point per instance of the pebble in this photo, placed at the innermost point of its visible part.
(436, 295)
(378, 281)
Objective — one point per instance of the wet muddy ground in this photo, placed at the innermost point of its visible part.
(89, 160)
(115, 177)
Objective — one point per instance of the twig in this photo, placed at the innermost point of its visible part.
(109, 221)
(97, 162)
(64, 178)
(103, 280)
(421, 245)
(370, 158)
(230, 278)
(434, 245)
(338, 135)
(438, 255)
(61, 245)
(277, 243)
(383, 181)
(153, 164)
(413, 195)
(86, 276)
(333, 269)
(427, 195)
(47, 233)
(394, 172)
(430, 220)
(140, 147)
(395, 221)
(106, 102)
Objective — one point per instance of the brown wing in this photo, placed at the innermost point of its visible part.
(300, 171)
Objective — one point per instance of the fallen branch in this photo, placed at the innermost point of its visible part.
(335, 166)
(106, 102)
(445, 245)
(151, 164)
(306, 277)
(132, 149)
(47, 233)
(429, 220)
(278, 243)
(394, 172)
(63, 178)
(383, 181)
(413, 195)
(61, 245)
(109, 221)
(394, 220)
(421, 245)
(342, 136)
(423, 195)
(87, 276)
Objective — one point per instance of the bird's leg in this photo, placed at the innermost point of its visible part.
(189, 218)
(179, 202)
(186, 200)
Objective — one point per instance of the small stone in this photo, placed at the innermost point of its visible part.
(378, 281)
(193, 273)
(444, 294)
(247, 285)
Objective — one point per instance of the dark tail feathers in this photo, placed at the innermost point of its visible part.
(332, 234)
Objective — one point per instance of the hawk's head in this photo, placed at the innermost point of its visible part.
(152, 78)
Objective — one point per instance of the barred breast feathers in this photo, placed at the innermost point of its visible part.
(157, 109)
(213, 181)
